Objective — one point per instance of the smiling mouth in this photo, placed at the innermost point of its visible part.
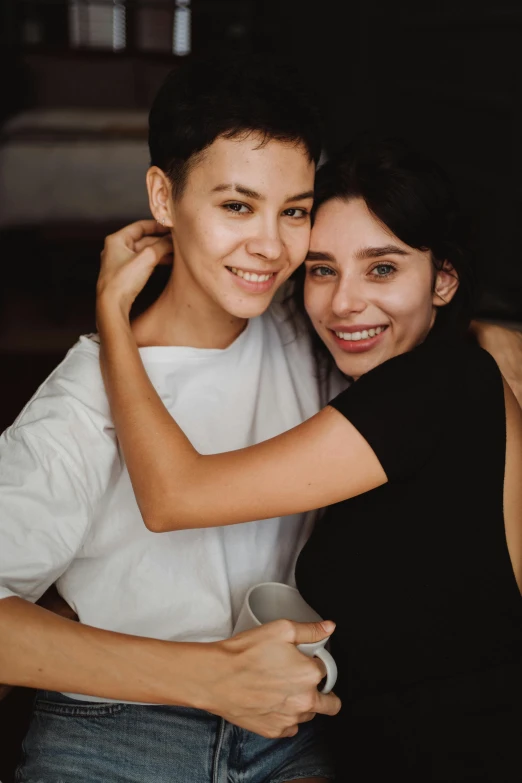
(364, 334)
(251, 277)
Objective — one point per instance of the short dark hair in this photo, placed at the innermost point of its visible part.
(229, 97)
(413, 197)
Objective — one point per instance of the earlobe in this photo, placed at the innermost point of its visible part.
(158, 187)
(446, 285)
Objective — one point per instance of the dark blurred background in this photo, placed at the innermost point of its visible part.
(78, 77)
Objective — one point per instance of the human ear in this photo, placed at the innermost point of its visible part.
(160, 195)
(446, 285)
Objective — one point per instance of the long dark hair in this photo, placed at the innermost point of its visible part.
(414, 198)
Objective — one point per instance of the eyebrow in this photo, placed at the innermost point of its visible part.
(378, 252)
(255, 195)
(319, 255)
(360, 255)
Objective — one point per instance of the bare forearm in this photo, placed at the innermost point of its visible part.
(42, 650)
(158, 456)
(177, 488)
(258, 679)
(52, 601)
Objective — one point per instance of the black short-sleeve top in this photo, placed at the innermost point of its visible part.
(416, 573)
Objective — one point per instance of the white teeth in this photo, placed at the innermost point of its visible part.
(355, 336)
(251, 276)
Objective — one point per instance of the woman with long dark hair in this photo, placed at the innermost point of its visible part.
(418, 555)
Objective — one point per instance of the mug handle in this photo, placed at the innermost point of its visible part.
(331, 668)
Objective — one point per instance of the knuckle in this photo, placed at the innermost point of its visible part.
(320, 669)
(314, 675)
(302, 702)
(282, 627)
(291, 731)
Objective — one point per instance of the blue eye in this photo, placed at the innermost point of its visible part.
(383, 270)
(321, 271)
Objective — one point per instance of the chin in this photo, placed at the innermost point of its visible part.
(249, 308)
(354, 369)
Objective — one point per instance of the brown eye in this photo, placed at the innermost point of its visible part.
(296, 212)
(237, 207)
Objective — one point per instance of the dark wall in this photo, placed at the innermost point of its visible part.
(447, 76)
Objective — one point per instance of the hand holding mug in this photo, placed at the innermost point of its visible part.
(262, 682)
(270, 601)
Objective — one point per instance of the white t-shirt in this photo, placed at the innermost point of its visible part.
(68, 511)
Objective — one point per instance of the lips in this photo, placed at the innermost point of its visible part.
(362, 338)
(255, 282)
(360, 333)
(253, 277)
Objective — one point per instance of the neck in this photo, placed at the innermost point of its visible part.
(185, 315)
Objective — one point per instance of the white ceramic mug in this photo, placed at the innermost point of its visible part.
(270, 601)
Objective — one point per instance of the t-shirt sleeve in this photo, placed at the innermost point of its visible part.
(44, 515)
(398, 407)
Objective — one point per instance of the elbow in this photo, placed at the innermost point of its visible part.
(160, 523)
(167, 521)
(154, 523)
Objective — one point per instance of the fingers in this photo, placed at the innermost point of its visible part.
(327, 704)
(141, 244)
(141, 228)
(307, 633)
(290, 732)
(321, 666)
(306, 717)
(136, 231)
(158, 250)
(146, 241)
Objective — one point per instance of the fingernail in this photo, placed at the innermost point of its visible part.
(328, 626)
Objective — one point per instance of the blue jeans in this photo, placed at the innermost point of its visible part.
(72, 741)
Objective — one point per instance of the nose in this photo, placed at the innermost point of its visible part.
(348, 298)
(266, 243)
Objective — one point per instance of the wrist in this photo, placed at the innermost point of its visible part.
(200, 676)
(207, 666)
(111, 313)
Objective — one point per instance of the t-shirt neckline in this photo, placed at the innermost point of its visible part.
(161, 353)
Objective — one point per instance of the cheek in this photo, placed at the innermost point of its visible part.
(317, 300)
(412, 300)
(298, 245)
(209, 236)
